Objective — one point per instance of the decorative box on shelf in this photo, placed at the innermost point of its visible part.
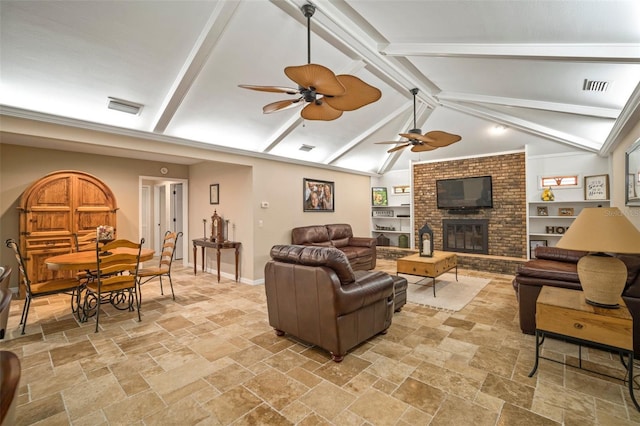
(383, 213)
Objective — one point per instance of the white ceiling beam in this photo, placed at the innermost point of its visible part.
(530, 103)
(592, 52)
(279, 135)
(628, 118)
(209, 36)
(525, 126)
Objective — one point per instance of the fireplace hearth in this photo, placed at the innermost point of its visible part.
(465, 235)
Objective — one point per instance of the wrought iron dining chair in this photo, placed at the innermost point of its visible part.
(5, 299)
(116, 280)
(68, 286)
(163, 269)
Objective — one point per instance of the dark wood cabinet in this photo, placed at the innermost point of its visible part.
(55, 207)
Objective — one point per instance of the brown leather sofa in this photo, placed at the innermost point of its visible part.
(314, 295)
(361, 251)
(558, 268)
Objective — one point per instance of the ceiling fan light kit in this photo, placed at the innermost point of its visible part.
(327, 95)
(419, 142)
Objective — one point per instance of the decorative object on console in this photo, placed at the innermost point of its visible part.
(601, 230)
(214, 193)
(547, 195)
(217, 228)
(596, 187)
(425, 239)
(105, 234)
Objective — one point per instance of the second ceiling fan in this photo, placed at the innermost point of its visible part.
(327, 95)
(419, 142)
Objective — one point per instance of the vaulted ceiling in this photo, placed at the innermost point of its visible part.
(523, 65)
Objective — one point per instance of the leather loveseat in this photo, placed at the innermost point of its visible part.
(314, 295)
(558, 268)
(361, 251)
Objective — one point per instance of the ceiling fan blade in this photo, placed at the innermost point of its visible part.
(423, 147)
(417, 136)
(440, 138)
(389, 142)
(399, 147)
(358, 94)
(273, 89)
(279, 105)
(319, 111)
(313, 75)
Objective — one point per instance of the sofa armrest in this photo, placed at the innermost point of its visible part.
(369, 287)
(362, 242)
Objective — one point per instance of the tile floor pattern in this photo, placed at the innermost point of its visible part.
(210, 358)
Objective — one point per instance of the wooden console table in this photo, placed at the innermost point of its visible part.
(564, 314)
(204, 243)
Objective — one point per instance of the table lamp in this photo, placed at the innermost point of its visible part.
(601, 230)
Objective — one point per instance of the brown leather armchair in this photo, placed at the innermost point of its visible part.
(314, 295)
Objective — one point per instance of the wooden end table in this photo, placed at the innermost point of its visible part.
(564, 314)
(204, 243)
(429, 267)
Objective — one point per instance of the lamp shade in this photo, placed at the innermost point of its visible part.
(601, 229)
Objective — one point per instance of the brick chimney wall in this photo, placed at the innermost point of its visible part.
(507, 218)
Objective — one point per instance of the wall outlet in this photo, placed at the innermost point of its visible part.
(264, 204)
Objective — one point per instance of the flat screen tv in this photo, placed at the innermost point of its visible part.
(464, 193)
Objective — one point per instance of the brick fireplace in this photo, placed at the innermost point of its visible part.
(505, 222)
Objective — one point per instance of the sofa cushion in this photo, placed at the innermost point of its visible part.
(562, 255)
(339, 231)
(316, 256)
(550, 270)
(310, 235)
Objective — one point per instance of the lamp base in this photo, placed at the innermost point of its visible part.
(603, 279)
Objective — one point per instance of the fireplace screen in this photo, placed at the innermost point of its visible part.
(465, 235)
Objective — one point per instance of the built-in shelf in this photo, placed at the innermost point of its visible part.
(401, 224)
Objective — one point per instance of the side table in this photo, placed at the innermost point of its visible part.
(565, 314)
(204, 243)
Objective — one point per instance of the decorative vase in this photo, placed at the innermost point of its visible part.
(602, 278)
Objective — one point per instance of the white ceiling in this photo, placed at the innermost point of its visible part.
(478, 63)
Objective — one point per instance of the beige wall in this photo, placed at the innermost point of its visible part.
(618, 185)
(244, 183)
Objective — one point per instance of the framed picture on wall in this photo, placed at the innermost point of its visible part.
(214, 193)
(596, 187)
(318, 195)
(379, 196)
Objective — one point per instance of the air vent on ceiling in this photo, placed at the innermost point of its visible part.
(124, 106)
(306, 148)
(595, 85)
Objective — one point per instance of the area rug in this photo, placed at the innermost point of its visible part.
(451, 295)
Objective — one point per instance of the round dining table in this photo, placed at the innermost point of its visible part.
(83, 260)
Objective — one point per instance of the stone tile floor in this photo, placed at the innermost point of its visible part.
(210, 358)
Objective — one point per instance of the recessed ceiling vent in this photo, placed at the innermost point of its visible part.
(124, 106)
(595, 85)
(306, 148)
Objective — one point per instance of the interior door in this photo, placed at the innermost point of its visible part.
(176, 216)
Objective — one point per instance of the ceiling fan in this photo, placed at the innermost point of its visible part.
(419, 142)
(327, 95)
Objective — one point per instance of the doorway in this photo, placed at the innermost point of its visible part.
(164, 207)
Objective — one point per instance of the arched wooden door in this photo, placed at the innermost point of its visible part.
(54, 208)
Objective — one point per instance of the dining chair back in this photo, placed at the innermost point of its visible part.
(68, 286)
(85, 242)
(163, 269)
(5, 299)
(117, 264)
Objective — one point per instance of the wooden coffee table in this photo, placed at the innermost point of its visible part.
(429, 267)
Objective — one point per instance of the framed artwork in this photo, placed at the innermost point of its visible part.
(379, 196)
(214, 193)
(596, 187)
(318, 195)
(533, 244)
(543, 211)
(565, 211)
